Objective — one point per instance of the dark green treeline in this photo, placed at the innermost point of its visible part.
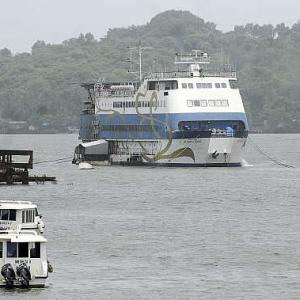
(42, 87)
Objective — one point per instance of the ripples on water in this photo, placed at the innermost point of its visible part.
(167, 233)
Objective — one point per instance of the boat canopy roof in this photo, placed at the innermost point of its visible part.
(23, 237)
(8, 204)
(28, 238)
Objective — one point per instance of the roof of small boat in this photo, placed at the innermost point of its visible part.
(8, 204)
(24, 237)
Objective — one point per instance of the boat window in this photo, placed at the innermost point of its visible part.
(233, 84)
(184, 85)
(217, 85)
(22, 249)
(28, 216)
(224, 103)
(206, 85)
(224, 85)
(209, 125)
(197, 102)
(35, 251)
(190, 85)
(203, 85)
(217, 102)
(203, 103)
(163, 85)
(8, 214)
(12, 214)
(4, 214)
(189, 103)
(152, 85)
(1, 250)
(171, 85)
(11, 249)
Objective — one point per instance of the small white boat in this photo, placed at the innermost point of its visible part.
(23, 255)
(85, 166)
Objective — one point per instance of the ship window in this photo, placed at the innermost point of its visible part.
(204, 85)
(11, 249)
(224, 85)
(184, 85)
(163, 85)
(233, 84)
(171, 85)
(217, 85)
(203, 103)
(196, 102)
(152, 85)
(35, 251)
(190, 85)
(217, 102)
(189, 103)
(211, 102)
(224, 103)
(209, 125)
(22, 249)
(1, 250)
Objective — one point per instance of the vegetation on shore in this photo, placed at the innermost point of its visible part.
(42, 87)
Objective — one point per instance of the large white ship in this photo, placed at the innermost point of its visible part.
(194, 117)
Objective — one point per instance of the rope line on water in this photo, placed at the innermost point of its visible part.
(277, 162)
(55, 160)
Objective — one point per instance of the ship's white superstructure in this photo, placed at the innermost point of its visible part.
(187, 118)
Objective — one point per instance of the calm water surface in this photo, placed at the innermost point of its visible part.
(167, 233)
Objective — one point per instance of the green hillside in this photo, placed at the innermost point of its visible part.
(41, 87)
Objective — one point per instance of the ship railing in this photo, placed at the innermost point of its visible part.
(186, 74)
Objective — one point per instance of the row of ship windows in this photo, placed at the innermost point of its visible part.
(143, 128)
(205, 103)
(129, 104)
(204, 85)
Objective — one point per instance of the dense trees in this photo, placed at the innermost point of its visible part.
(42, 87)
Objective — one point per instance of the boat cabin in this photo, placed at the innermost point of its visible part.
(18, 215)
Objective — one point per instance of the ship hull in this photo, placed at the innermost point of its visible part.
(197, 152)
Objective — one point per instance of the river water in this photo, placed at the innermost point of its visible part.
(167, 233)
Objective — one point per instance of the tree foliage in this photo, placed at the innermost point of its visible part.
(42, 87)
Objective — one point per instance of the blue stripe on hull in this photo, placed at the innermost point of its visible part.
(160, 121)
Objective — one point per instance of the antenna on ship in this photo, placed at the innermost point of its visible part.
(195, 61)
(140, 51)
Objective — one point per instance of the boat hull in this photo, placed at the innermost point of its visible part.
(34, 283)
(195, 152)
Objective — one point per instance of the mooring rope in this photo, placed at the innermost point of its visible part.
(55, 160)
(279, 163)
